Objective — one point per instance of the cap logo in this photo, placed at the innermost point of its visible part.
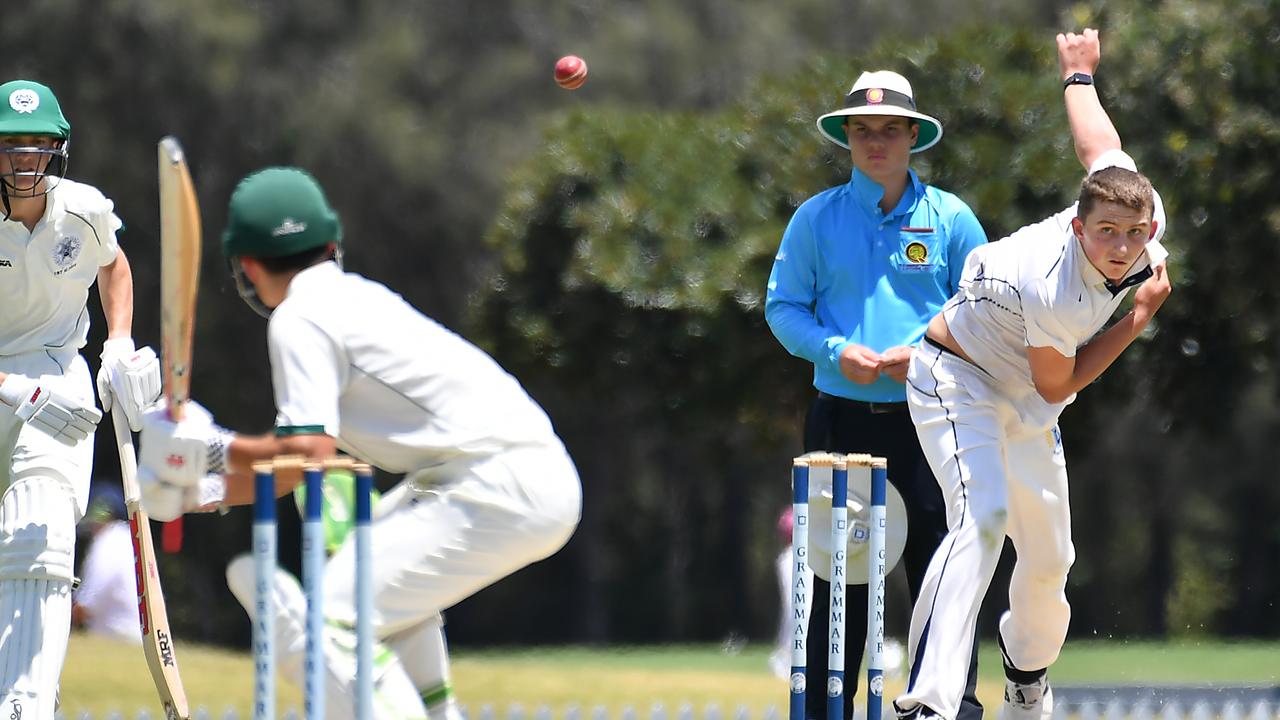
(24, 101)
(289, 226)
(875, 96)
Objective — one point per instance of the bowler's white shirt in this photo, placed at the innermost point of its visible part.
(45, 274)
(352, 359)
(1036, 288)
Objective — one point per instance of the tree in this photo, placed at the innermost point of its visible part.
(633, 250)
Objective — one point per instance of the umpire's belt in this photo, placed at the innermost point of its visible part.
(874, 408)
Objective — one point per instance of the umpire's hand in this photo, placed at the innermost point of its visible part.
(860, 364)
(894, 362)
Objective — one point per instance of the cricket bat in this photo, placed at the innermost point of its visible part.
(157, 640)
(179, 280)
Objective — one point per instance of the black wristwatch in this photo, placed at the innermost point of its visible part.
(1077, 79)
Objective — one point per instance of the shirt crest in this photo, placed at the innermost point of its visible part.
(66, 251)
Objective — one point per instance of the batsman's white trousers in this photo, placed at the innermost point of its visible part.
(998, 477)
(436, 546)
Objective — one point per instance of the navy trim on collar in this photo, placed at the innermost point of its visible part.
(1134, 279)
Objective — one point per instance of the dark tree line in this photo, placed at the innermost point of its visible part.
(610, 247)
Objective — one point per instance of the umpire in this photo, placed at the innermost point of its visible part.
(861, 269)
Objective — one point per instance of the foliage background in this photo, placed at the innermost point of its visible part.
(610, 247)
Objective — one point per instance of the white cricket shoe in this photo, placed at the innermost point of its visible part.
(1032, 701)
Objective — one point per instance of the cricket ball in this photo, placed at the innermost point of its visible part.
(571, 72)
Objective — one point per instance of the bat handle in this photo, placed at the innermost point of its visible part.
(171, 536)
(171, 532)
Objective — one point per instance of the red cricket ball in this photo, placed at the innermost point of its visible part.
(571, 72)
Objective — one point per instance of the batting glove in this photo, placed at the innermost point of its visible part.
(36, 402)
(164, 501)
(129, 379)
(181, 453)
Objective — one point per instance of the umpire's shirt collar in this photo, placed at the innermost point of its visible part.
(868, 193)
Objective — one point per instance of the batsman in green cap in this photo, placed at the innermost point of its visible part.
(488, 486)
(57, 238)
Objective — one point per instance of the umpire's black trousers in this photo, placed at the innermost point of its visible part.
(885, 430)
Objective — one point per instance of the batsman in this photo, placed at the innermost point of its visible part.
(57, 238)
(488, 486)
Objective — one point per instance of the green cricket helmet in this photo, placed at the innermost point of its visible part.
(29, 108)
(275, 213)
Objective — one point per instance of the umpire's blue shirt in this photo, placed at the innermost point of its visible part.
(848, 273)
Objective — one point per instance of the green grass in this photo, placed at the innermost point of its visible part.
(101, 675)
(1210, 662)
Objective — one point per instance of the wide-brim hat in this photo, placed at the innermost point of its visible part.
(882, 92)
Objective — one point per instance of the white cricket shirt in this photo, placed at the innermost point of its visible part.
(352, 359)
(1037, 288)
(45, 275)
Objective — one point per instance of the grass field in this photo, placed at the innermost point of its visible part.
(102, 676)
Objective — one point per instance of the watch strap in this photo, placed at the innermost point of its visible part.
(1078, 78)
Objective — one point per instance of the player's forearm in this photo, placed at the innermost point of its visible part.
(1091, 128)
(1093, 359)
(115, 287)
(246, 450)
(240, 487)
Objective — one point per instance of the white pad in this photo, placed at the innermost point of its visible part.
(394, 696)
(425, 655)
(37, 530)
(37, 619)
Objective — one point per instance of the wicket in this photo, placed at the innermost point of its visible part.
(313, 564)
(837, 467)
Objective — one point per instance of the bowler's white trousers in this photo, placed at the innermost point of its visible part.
(998, 477)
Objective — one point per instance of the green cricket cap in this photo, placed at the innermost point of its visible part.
(276, 212)
(29, 108)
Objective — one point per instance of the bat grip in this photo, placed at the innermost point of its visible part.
(171, 536)
(171, 532)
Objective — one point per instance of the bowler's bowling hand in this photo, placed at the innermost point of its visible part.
(1078, 53)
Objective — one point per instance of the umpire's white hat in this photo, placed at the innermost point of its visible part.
(882, 92)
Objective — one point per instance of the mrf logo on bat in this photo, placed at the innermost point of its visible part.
(166, 648)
